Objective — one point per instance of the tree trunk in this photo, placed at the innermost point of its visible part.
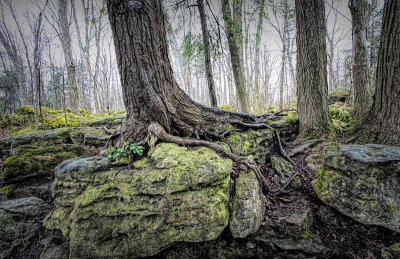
(312, 85)
(360, 15)
(382, 125)
(69, 61)
(207, 54)
(150, 91)
(257, 54)
(233, 27)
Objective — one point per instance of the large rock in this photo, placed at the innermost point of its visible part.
(286, 125)
(248, 206)
(361, 181)
(89, 136)
(174, 195)
(256, 145)
(19, 224)
(38, 161)
(17, 144)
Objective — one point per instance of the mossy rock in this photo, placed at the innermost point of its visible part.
(173, 195)
(248, 206)
(38, 162)
(255, 144)
(391, 252)
(19, 224)
(89, 136)
(361, 181)
(286, 125)
(108, 121)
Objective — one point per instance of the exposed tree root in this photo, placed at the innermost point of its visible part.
(156, 130)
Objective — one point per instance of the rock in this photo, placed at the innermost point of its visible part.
(256, 145)
(19, 224)
(108, 121)
(285, 169)
(286, 125)
(361, 181)
(15, 145)
(282, 167)
(27, 207)
(248, 206)
(38, 162)
(89, 136)
(173, 195)
(292, 235)
(55, 246)
(391, 252)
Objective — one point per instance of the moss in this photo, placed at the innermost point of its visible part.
(322, 181)
(306, 234)
(391, 208)
(142, 163)
(40, 161)
(293, 119)
(8, 189)
(227, 107)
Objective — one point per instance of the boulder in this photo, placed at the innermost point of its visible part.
(248, 206)
(89, 136)
(19, 224)
(38, 161)
(286, 125)
(175, 194)
(285, 170)
(255, 145)
(17, 144)
(361, 181)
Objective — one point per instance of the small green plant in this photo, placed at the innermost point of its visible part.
(128, 150)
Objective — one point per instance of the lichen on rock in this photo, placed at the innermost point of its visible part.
(361, 181)
(173, 195)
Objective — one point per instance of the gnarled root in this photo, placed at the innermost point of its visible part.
(156, 130)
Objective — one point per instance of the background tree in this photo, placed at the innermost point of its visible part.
(65, 39)
(312, 85)
(360, 12)
(207, 54)
(382, 125)
(233, 28)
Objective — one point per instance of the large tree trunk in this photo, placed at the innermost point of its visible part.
(233, 27)
(207, 54)
(150, 91)
(312, 85)
(69, 61)
(360, 15)
(382, 125)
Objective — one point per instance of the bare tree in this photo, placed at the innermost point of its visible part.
(233, 28)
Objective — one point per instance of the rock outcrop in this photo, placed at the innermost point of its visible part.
(173, 195)
(20, 224)
(361, 181)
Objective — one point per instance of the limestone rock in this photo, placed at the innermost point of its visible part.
(256, 145)
(38, 161)
(361, 181)
(19, 224)
(286, 125)
(391, 252)
(248, 206)
(173, 195)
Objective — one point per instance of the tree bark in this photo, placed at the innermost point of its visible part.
(382, 124)
(69, 60)
(359, 10)
(233, 27)
(312, 85)
(150, 91)
(207, 54)
(257, 51)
